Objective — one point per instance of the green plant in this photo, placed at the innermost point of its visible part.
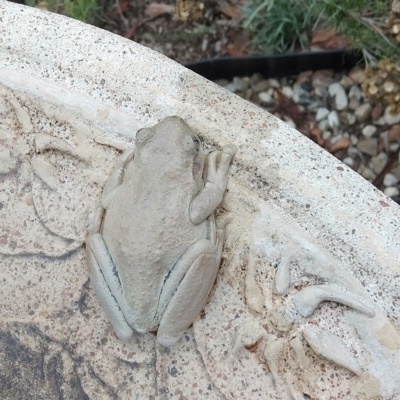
(276, 26)
(83, 10)
(279, 25)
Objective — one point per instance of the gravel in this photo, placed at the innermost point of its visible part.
(331, 110)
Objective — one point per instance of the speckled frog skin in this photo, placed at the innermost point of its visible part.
(154, 258)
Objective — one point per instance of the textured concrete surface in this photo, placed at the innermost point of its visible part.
(66, 84)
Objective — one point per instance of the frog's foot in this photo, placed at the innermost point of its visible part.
(106, 284)
(188, 286)
(218, 165)
(216, 169)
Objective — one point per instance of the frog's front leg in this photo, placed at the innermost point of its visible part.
(110, 188)
(106, 284)
(187, 287)
(205, 203)
(116, 177)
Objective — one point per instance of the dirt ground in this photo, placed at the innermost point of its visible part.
(217, 32)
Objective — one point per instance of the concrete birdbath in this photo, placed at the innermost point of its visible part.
(306, 303)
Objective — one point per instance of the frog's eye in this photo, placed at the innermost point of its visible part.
(187, 143)
(196, 142)
(143, 136)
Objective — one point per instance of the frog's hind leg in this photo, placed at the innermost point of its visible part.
(106, 284)
(190, 281)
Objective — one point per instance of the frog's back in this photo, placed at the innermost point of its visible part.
(146, 238)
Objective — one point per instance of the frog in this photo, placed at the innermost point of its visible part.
(155, 249)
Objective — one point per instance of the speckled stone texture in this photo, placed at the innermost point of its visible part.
(71, 98)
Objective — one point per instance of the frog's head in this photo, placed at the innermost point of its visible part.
(172, 148)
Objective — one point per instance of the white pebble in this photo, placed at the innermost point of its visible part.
(326, 135)
(273, 83)
(336, 90)
(348, 161)
(391, 191)
(265, 97)
(288, 91)
(290, 122)
(231, 87)
(380, 121)
(333, 119)
(369, 130)
(389, 118)
(322, 113)
(390, 180)
(394, 147)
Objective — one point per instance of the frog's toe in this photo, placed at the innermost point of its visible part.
(166, 340)
(229, 149)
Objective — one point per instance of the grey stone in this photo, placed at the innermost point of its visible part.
(241, 84)
(368, 146)
(322, 92)
(355, 92)
(323, 125)
(322, 81)
(346, 82)
(231, 87)
(378, 162)
(351, 118)
(326, 135)
(255, 78)
(366, 173)
(357, 74)
(363, 112)
(261, 86)
(396, 171)
(353, 103)
(222, 82)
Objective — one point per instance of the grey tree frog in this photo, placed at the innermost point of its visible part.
(155, 253)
